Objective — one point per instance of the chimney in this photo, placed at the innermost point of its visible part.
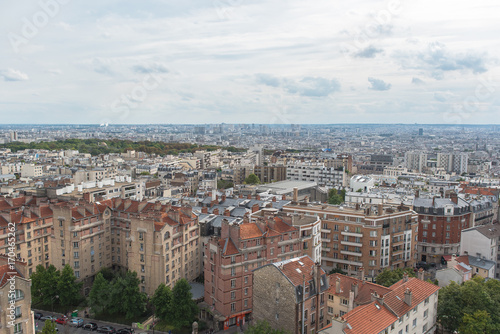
(216, 211)
(204, 209)
(257, 197)
(417, 193)
(224, 233)
(227, 213)
(434, 201)
(405, 277)
(357, 206)
(255, 208)
(274, 199)
(249, 196)
(361, 273)
(283, 197)
(454, 197)
(354, 288)
(223, 198)
(295, 194)
(421, 274)
(408, 297)
(214, 195)
(240, 196)
(337, 285)
(380, 209)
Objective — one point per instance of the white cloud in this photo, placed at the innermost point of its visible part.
(13, 75)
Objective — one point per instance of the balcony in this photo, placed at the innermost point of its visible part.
(349, 243)
(350, 253)
(325, 240)
(326, 230)
(352, 234)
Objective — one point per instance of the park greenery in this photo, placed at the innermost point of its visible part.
(471, 307)
(336, 197)
(389, 277)
(50, 287)
(175, 306)
(121, 295)
(99, 146)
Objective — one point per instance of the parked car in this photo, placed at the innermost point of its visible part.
(47, 317)
(76, 322)
(106, 329)
(38, 315)
(125, 331)
(422, 264)
(90, 326)
(62, 320)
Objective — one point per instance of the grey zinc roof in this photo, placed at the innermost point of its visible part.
(439, 202)
(481, 263)
(490, 231)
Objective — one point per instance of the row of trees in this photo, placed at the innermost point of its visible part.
(96, 146)
(175, 306)
(120, 295)
(472, 307)
(50, 286)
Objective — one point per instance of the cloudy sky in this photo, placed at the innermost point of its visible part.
(250, 61)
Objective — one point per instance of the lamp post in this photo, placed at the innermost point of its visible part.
(52, 300)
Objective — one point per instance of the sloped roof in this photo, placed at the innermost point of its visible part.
(367, 319)
(5, 274)
(249, 231)
(365, 288)
(420, 290)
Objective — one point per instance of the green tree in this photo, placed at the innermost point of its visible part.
(479, 322)
(337, 270)
(67, 287)
(99, 296)
(44, 285)
(126, 297)
(449, 308)
(184, 308)
(252, 179)
(49, 327)
(224, 184)
(336, 198)
(162, 301)
(263, 327)
(389, 277)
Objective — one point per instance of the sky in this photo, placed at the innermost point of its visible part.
(249, 61)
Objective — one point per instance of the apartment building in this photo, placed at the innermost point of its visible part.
(416, 161)
(291, 295)
(317, 172)
(483, 242)
(270, 173)
(374, 237)
(348, 292)
(159, 242)
(441, 221)
(31, 170)
(32, 219)
(410, 307)
(230, 259)
(15, 290)
(453, 162)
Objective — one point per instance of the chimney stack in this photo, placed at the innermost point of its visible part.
(405, 277)
(361, 272)
(337, 285)
(421, 274)
(380, 209)
(408, 297)
(295, 194)
(354, 288)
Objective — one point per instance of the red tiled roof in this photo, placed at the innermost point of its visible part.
(281, 227)
(420, 290)
(4, 274)
(367, 319)
(304, 265)
(365, 289)
(249, 231)
(229, 247)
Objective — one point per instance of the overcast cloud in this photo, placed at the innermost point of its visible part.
(194, 61)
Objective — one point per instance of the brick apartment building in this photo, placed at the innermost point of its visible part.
(230, 259)
(441, 221)
(291, 295)
(374, 237)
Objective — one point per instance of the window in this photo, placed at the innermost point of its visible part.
(373, 233)
(233, 307)
(414, 323)
(18, 328)
(246, 291)
(246, 279)
(17, 295)
(233, 271)
(75, 244)
(426, 301)
(245, 303)
(233, 283)
(424, 328)
(233, 295)
(426, 313)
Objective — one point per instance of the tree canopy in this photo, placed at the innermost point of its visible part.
(252, 179)
(49, 327)
(68, 288)
(335, 197)
(389, 277)
(183, 308)
(162, 302)
(472, 307)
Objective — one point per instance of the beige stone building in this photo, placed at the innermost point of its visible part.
(374, 237)
(15, 299)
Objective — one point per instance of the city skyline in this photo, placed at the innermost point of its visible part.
(273, 62)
